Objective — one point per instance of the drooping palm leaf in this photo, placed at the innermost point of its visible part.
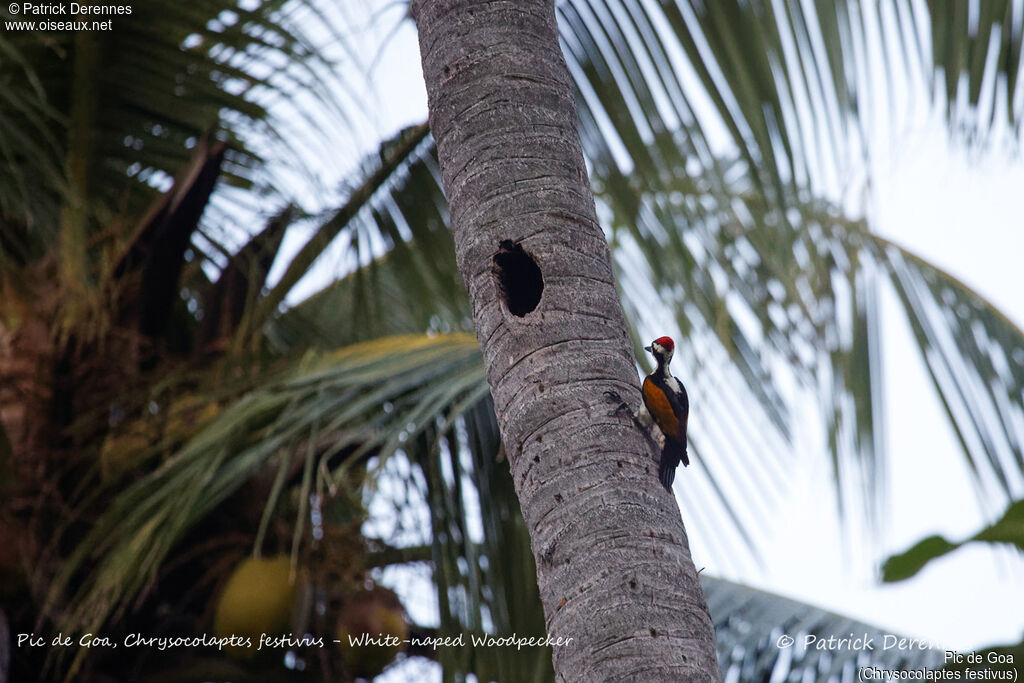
(406, 281)
(340, 396)
(1008, 529)
(751, 627)
(483, 566)
(975, 358)
(394, 158)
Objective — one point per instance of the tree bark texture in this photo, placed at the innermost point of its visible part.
(613, 562)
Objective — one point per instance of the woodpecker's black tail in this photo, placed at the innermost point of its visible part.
(672, 453)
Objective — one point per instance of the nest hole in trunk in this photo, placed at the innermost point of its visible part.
(519, 279)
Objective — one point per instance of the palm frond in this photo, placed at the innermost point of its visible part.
(394, 158)
(752, 625)
(404, 279)
(976, 62)
(483, 567)
(975, 358)
(371, 398)
(1008, 529)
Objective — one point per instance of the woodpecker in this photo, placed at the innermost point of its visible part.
(666, 400)
(667, 406)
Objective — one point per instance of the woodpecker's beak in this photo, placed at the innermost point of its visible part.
(649, 349)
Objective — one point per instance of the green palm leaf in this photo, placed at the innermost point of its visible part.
(336, 401)
(752, 626)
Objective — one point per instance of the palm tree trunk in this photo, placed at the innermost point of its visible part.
(613, 564)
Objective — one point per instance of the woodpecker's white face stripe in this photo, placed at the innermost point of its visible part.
(663, 352)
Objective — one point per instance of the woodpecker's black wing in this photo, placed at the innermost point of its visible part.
(684, 409)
